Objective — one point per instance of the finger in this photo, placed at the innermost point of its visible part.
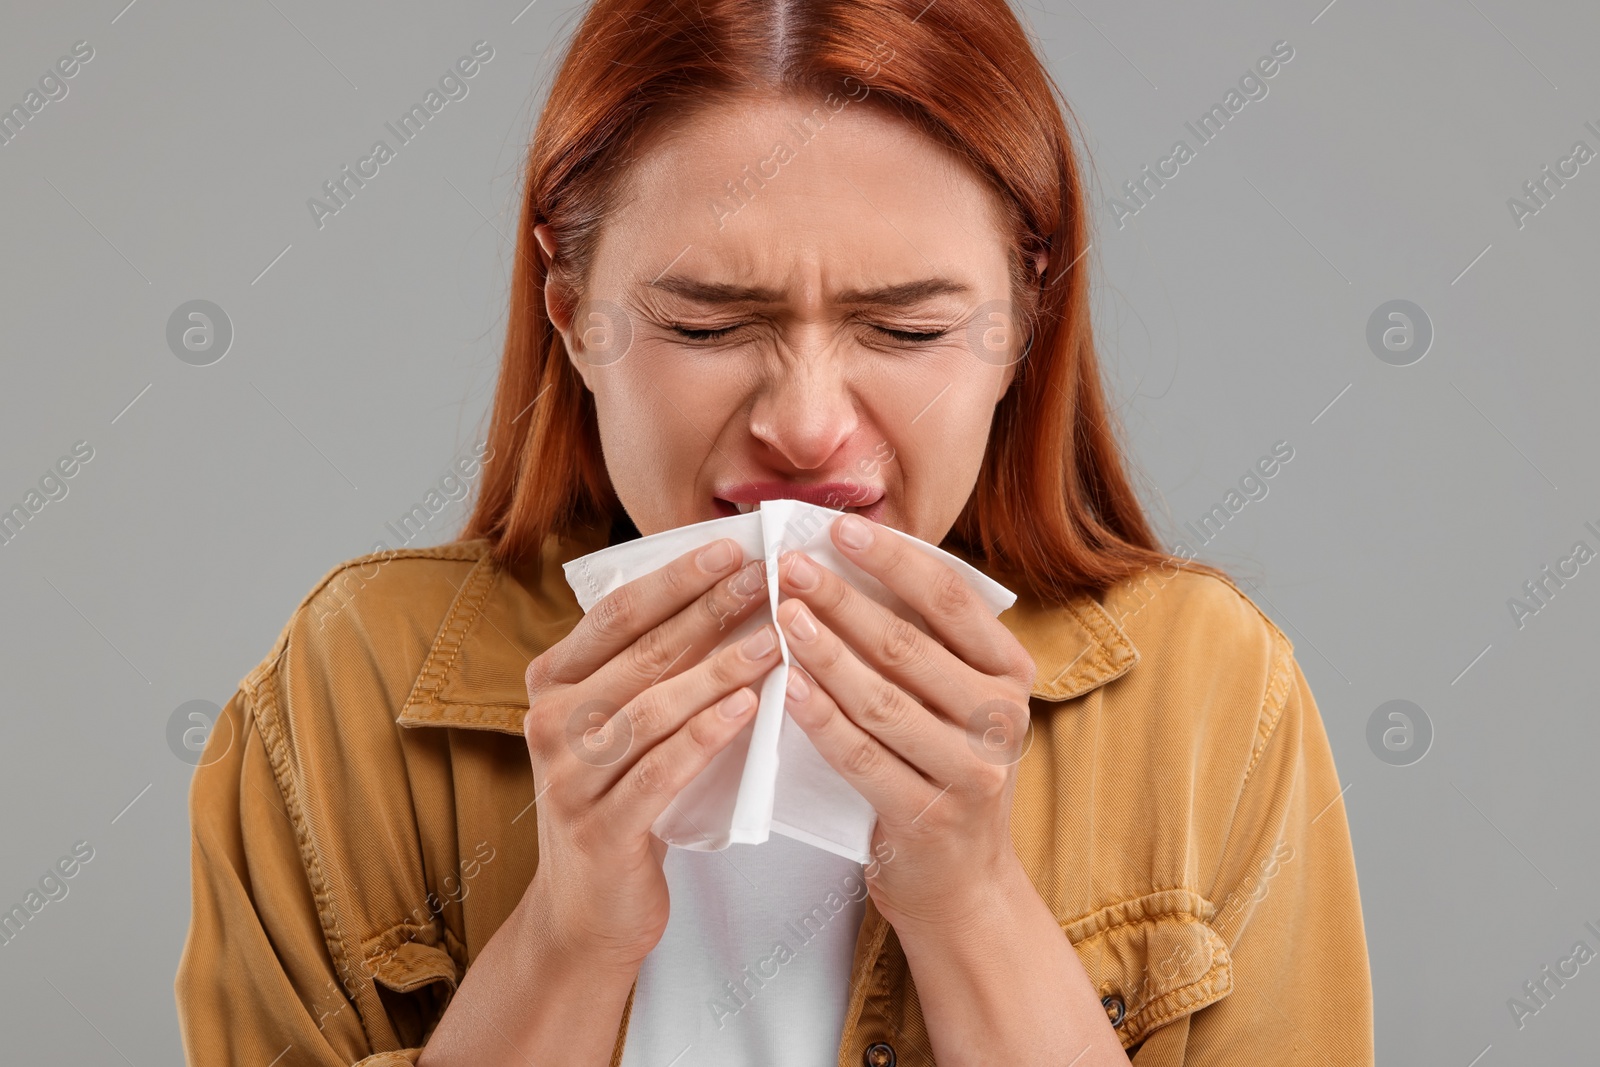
(631, 806)
(938, 593)
(661, 710)
(893, 646)
(881, 708)
(683, 640)
(893, 788)
(666, 649)
(637, 607)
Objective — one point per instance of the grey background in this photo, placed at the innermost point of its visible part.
(1232, 312)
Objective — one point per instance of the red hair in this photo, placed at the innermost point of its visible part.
(1053, 508)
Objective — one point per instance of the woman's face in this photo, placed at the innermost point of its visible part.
(822, 319)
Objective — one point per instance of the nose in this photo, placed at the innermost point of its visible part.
(805, 411)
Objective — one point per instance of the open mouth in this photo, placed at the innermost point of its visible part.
(869, 506)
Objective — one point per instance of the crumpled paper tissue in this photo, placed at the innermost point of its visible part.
(770, 778)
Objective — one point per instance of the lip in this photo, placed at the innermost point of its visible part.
(859, 498)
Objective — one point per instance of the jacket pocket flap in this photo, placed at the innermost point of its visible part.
(412, 965)
(1152, 959)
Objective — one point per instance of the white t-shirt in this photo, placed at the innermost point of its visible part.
(754, 966)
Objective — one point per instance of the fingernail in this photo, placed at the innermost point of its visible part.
(737, 704)
(797, 689)
(758, 644)
(854, 532)
(802, 574)
(801, 627)
(715, 557)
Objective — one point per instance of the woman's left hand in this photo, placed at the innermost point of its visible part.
(929, 731)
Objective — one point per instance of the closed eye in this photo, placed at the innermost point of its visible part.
(911, 336)
(690, 333)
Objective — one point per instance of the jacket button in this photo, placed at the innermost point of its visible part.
(878, 1054)
(1116, 1010)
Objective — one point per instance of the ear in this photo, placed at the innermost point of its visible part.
(547, 241)
(558, 303)
(1041, 264)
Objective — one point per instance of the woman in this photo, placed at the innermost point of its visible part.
(830, 251)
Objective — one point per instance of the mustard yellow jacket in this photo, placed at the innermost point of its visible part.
(362, 824)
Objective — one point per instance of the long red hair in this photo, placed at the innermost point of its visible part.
(1053, 508)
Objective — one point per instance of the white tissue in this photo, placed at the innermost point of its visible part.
(770, 777)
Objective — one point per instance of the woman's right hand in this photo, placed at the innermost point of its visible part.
(623, 713)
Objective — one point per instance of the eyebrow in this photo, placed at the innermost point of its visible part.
(901, 295)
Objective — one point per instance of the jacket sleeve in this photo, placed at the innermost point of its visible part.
(1287, 907)
(257, 984)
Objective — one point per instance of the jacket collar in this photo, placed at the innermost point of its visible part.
(472, 676)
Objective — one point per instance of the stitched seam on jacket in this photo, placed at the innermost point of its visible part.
(508, 720)
(270, 729)
(1210, 987)
(1110, 636)
(1253, 606)
(454, 550)
(1272, 710)
(1106, 639)
(858, 991)
(457, 550)
(436, 708)
(379, 943)
(403, 932)
(1175, 915)
(407, 976)
(1273, 702)
(452, 634)
(1146, 907)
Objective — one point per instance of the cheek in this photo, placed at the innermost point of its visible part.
(660, 416)
(669, 400)
(942, 407)
(644, 398)
(935, 422)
